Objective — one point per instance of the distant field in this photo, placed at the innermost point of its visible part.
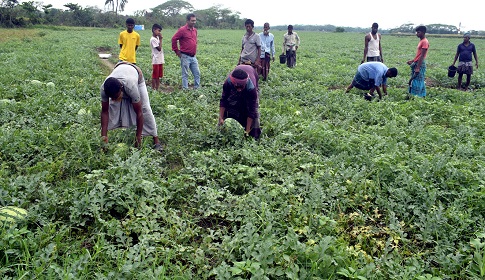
(336, 188)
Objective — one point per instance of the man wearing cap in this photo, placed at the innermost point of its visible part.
(371, 76)
(465, 63)
(240, 99)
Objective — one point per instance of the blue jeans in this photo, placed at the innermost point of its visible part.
(186, 63)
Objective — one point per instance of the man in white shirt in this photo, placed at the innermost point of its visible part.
(267, 50)
(291, 41)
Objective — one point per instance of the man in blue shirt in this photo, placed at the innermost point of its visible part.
(267, 50)
(465, 65)
(370, 76)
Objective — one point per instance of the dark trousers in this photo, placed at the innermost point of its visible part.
(265, 65)
(243, 119)
(290, 58)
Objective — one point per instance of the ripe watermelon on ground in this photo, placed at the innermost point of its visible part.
(10, 215)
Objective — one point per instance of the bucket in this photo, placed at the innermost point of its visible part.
(451, 71)
(283, 58)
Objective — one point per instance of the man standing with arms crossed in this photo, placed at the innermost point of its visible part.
(372, 46)
(184, 44)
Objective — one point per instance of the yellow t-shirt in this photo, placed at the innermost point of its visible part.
(129, 41)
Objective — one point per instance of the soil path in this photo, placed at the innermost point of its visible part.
(109, 66)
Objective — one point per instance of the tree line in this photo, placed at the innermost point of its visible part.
(170, 14)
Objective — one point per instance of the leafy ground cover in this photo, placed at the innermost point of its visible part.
(336, 188)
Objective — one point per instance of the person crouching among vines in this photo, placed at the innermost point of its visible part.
(371, 76)
(240, 99)
(125, 103)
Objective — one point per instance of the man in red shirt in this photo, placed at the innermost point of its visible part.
(417, 85)
(184, 44)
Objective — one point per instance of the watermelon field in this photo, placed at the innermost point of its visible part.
(336, 188)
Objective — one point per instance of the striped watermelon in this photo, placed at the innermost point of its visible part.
(10, 215)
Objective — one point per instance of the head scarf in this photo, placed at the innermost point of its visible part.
(238, 82)
(467, 34)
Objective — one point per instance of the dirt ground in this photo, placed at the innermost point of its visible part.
(109, 65)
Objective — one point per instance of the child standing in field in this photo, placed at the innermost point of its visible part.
(158, 59)
(129, 41)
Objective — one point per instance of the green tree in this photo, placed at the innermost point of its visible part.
(33, 14)
(116, 5)
(441, 29)
(46, 8)
(404, 28)
(173, 8)
(6, 12)
(78, 16)
(218, 17)
(72, 7)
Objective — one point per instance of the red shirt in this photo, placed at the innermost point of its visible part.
(187, 39)
(423, 44)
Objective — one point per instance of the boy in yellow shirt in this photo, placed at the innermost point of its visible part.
(129, 41)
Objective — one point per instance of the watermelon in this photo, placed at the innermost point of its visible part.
(10, 215)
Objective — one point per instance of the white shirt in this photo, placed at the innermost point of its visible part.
(373, 46)
(157, 56)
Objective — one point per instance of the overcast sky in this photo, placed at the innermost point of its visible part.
(353, 13)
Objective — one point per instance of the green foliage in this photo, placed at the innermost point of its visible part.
(339, 29)
(336, 188)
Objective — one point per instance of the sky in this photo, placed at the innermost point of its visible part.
(352, 13)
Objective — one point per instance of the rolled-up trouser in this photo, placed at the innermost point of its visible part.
(362, 84)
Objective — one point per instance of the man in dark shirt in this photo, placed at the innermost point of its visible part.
(465, 66)
(184, 44)
(240, 99)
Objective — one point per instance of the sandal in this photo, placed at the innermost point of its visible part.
(158, 147)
